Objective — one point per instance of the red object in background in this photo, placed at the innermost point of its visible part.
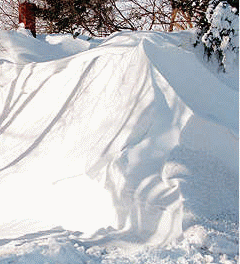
(27, 16)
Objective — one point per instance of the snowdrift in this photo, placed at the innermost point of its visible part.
(129, 139)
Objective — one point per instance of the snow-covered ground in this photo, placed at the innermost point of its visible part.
(116, 150)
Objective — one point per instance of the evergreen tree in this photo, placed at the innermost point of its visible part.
(219, 33)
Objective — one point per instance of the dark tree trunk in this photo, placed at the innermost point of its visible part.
(27, 16)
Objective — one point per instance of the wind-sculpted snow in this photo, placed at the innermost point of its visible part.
(134, 136)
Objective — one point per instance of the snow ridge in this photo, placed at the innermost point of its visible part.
(132, 134)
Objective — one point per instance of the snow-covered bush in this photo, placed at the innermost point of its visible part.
(221, 38)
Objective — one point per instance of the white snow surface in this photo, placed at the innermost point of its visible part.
(116, 150)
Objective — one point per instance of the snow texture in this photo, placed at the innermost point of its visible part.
(115, 150)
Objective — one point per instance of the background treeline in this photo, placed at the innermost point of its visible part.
(102, 17)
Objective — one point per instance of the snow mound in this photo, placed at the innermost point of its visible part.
(129, 142)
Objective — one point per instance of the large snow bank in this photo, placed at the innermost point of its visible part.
(135, 136)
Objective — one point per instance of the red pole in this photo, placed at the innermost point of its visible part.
(27, 16)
